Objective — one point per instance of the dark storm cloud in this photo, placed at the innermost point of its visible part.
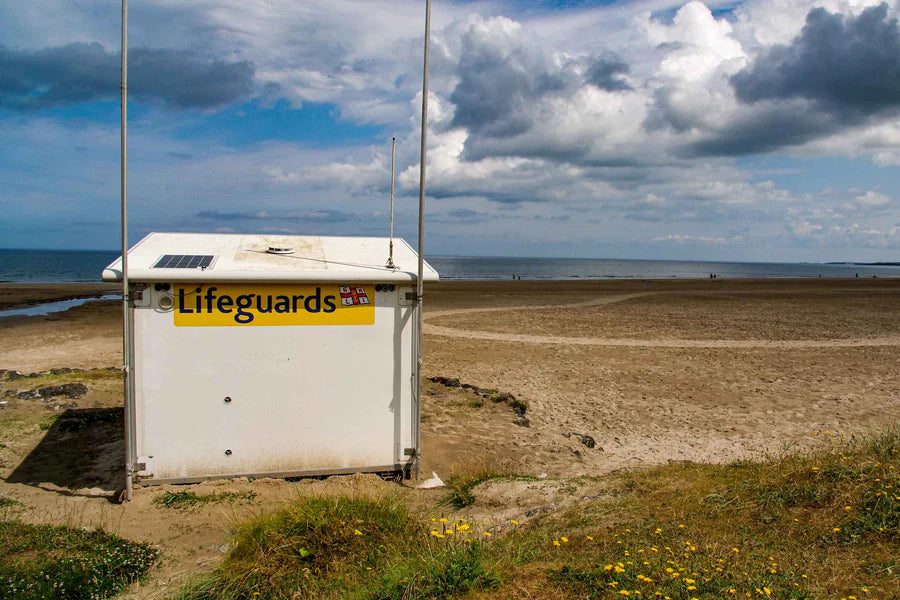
(838, 73)
(85, 72)
(502, 80)
(845, 64)
(495, 87)
(766, 130)
(607, 74)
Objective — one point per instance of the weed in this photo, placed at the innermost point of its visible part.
(345, 548)
(50, 562)
(188, 500)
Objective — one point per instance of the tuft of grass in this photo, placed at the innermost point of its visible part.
(461, 486)
(345, 548)
(56, 562)
(188, 500)
(8, 502)
(441, 571)
(519, 406)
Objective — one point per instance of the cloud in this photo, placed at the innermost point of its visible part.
(608, 74)
(86, 72)
(873, 198)
(847, 65)
(312, 216)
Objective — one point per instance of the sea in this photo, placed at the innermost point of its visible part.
(60, 266)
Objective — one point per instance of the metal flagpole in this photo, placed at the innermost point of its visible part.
(390, 261)
(126, 318)
(419, 282)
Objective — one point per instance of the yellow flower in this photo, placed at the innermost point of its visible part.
(357, 532)
(589, 538)
(836, 529)
(556, 542)
(735, 550)
(513, 521)
(443, 519)
(565, 540)
(487, 534)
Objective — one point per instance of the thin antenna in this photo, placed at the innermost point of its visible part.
(126, 320)
(419, 282)
(390, 262)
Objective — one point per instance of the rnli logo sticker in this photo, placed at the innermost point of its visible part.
(272, 305)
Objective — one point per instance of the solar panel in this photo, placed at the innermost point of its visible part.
(184, 261)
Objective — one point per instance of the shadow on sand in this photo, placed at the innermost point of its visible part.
(84, 448)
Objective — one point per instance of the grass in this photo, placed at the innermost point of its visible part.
(50, 562)
(811, 526)
(461, 485)
(822, 525)
(346, 548)
(189, 500)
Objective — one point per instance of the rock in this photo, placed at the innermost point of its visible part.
(66, 406)
(13, 375)
(69, 390)
(22, 394)
(522, 421)
(586, 440)
(3, 404)
(446, 381)
(62, 371)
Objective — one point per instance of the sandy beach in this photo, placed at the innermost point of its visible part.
(648, 372)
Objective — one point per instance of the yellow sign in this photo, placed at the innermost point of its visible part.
(222, 305)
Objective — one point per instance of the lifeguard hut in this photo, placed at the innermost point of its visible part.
(258, 355)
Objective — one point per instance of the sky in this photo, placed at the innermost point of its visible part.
(754, 130)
